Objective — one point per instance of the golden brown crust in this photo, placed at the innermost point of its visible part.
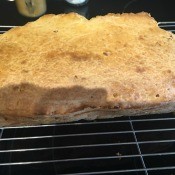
(63, 64)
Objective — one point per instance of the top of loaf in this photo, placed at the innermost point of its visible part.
(70, 63)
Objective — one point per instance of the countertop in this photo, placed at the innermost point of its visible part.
(161, 10)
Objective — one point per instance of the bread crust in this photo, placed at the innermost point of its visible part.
(64, 67)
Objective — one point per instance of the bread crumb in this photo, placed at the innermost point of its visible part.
(119, 154)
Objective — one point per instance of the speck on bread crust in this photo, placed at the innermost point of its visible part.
(63, 68)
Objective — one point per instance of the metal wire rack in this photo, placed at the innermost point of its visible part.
(127, 145)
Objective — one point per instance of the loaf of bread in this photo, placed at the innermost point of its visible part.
(63, 68)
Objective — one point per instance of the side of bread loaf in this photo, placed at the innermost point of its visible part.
(62, 68)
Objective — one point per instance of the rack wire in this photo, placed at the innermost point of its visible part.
(127, 145)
